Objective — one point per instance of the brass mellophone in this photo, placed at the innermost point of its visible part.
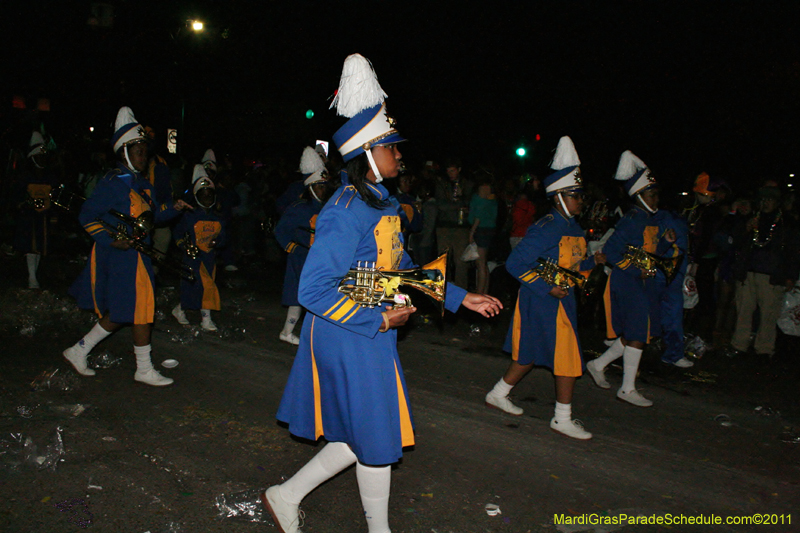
(369, 286)
(142, 225)
(649, 263)
(558, 276)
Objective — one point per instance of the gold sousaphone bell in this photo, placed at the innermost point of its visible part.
(369, 286)
(649, 263)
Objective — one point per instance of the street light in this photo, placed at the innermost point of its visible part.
(197, 25)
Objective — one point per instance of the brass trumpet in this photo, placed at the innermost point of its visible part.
(141, 228)
(650, 263)
(558, 276)
(369, 286)
(188, 246)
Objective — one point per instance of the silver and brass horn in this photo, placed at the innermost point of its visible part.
(649, 263)
(65, 199)
(142, 225)
(558, 276)
(369, 286)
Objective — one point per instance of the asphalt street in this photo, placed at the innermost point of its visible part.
(720, 440)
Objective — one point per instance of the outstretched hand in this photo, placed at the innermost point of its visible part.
(484, 304)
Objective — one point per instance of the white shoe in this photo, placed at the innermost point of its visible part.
(287, 516)
(152, 377)
(231, 268)
(33, 284)
(180, 316)
(570, 428)
(502, 403)
(78, 361)
(599, 376)
(208, 325)
(291, 338)
(683, 363)
(633, 397)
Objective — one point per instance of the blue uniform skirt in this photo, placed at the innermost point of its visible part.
(119, 282)
(544, 332)
(349, 388)
(631, 307)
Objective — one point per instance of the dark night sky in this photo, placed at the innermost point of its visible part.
(688, 86)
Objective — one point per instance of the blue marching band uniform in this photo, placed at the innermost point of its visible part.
(118, 281)
(205, 230)
(544, 329)
(346, 383)
(295, 234)
(632, 299)
(632, 303)
(352, 372)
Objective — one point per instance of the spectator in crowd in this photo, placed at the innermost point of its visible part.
(766, 266)
(483, 220)
(453, 194)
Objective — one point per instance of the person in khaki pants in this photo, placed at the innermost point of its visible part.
(766, 267)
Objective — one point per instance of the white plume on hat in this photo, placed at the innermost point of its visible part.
(312, 166)
(566, 156)
(358, 87)
(628, 165)
(37, 144)
(209, 159)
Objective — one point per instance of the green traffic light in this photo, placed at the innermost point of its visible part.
(521, 151)
(309, 114)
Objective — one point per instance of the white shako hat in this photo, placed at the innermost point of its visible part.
(209, 160)
(37, 145)
(360, 98)
(200, 179)
(127, 130)
(312, 167)
(634, 173)
(567, 170)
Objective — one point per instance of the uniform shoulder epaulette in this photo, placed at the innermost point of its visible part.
(114, 172)
(344, 197)
(545, 220)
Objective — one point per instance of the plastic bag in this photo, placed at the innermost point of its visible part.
(690, 296)
(789, 321)
(470, 252)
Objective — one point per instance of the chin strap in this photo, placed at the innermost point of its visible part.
(644, 204)
(311, 187)
(128, 159)
(564, 206)
(374, 167)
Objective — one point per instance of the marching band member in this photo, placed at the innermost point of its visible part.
(347, 382)
(117, 282)
(202, 230)
(34, 208)
(544, 330)
(295, 233)
(632, 294)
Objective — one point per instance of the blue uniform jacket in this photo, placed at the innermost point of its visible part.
(207, 231)
(544, 328)
(632, 302)
(295, 233)
(118, 281)
(347, 383)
